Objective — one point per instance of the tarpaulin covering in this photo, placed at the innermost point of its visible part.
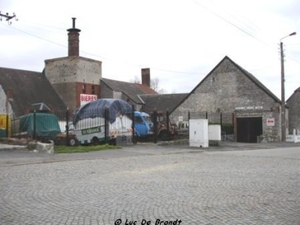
(46, 124)
(116, 107)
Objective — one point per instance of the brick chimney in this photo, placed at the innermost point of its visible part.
(146, 77)
(73, 40)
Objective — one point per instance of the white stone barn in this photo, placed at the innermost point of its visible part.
(231, 93)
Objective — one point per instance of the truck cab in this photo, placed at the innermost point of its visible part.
(142, 124)
(165, 131)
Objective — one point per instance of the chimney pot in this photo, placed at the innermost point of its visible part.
(146, 76)
(73, 21)
(73, 40)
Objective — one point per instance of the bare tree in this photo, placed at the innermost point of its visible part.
(135, 80)
(154, 84)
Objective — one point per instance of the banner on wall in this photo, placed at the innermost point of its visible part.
(86, 98)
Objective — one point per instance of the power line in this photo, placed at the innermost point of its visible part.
(44, 25)
(229, 22)
(98, 56)
(36, 36)
(139, 66)
(135, 65)
(248, 23)
(238, 27)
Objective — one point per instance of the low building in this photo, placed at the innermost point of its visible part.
(22, 90)
(229, 94)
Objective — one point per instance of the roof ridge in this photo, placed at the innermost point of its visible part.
(7, 68)
(256, 81)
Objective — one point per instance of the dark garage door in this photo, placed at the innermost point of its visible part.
(248, 129)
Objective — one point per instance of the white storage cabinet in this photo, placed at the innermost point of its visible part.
(198, 132)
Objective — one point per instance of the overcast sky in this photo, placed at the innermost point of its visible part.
(181, 41)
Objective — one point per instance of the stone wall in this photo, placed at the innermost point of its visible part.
(223, 90)
(294, 111)
(68, 73)
(73, 69)
(226, 89)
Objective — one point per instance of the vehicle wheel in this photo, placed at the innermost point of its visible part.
(135, 138)
(72, 142)
(112, 141)
(95, 141)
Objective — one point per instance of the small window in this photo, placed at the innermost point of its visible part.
(83, 89)
(93, 89)
(138, 120)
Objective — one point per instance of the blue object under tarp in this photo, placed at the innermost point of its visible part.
(116, 107)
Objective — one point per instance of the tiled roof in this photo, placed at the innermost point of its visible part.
(146, 89)
(162, 102)
(28, 88)
(132, 90)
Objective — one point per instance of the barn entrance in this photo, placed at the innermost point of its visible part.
(248, 129)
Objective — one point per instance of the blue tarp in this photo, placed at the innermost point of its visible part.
(116, 107)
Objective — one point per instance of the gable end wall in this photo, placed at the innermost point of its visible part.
(294, 112)
(224, 89)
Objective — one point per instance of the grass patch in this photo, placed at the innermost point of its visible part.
(80, 148)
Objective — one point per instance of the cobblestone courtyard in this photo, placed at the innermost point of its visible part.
(178, 186)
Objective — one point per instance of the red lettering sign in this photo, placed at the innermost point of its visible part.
(85, 98)
(270, 122)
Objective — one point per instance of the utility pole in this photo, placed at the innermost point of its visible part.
(283, 125)
(8, 17)
(283, 116)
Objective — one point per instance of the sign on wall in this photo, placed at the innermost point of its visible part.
(3, 125)
(270, 122)
(85, 98)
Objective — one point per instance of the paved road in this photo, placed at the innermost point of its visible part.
(151, 184)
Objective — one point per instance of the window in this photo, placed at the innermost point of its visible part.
(138, 119)
(93, 89)
(83, 89)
